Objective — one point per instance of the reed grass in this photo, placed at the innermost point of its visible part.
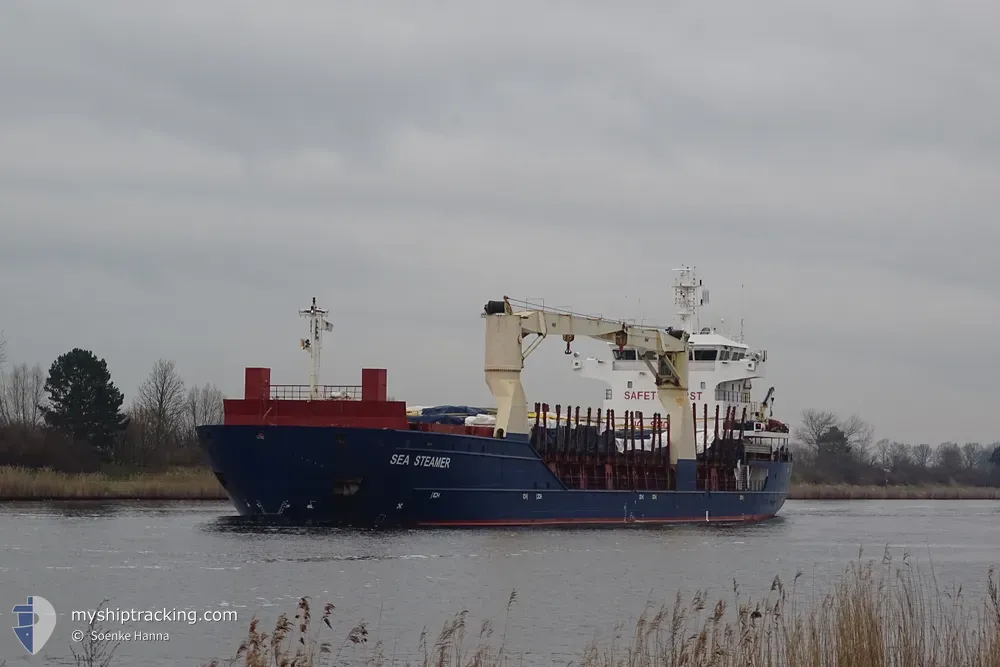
(198, 483)
(18, 483)
(891, 492)
(875, 614)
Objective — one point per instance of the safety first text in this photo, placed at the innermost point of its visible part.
(651, 396)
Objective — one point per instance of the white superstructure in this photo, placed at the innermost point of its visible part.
(721, 371)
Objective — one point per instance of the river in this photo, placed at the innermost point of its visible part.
(570, 584)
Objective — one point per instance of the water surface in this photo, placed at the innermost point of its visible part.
(569, 583)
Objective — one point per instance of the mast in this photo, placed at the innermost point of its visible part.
(314, 343)
(686, 298)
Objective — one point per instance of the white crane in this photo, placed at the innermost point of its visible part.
(505, 331)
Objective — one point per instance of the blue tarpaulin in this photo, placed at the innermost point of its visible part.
(437, 419)
(453, 410)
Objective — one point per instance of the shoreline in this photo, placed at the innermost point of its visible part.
(881, 492)
(23, 484)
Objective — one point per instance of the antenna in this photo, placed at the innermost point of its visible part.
(741, 312)
(314, 344)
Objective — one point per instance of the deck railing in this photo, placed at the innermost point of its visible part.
(300, 392)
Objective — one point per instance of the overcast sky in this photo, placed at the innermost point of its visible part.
(178, 178)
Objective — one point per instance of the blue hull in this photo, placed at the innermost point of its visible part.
(395, 478)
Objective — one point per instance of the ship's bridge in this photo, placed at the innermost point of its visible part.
(720, 371)
(709, 346)
(709, 351)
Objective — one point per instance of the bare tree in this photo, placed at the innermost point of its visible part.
(949, 457)
(815, 424)
(159, 408)
(4, 412)
(859, 433)
(899, 455)
(204, 406)
(972, 455)
(883, 454)
(922, 454)
(22, 394)
(4, 407)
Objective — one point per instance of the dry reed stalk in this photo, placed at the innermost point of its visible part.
(877, 492)
(874, 615)
(18, 483)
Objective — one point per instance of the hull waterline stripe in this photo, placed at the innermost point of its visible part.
(556, 522)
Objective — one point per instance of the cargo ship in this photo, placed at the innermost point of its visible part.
(350, 456)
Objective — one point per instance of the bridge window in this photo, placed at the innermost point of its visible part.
(623, 355)
(724, 356)
(705, 355)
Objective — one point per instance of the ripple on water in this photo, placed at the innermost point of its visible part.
(569, 583)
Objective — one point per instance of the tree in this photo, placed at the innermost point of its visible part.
(83, 401)
(836, 457)
(922, 454)
(160, 406)
(204, 406)
(816, 425)
(883, 454)
(858, 432)
(899, 455)
(973, 455)
(4, 418)
(949, 457)
(834, 443)
(22, 394)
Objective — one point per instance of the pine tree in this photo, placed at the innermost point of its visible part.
(83, 401)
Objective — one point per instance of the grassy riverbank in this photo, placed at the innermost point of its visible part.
(887, 613)
(43, 484)
(874, 492)
(200, 484)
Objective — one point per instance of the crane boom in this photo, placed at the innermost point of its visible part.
(505, 332)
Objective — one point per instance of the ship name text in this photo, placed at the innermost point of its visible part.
(651, 395)
(420, 461)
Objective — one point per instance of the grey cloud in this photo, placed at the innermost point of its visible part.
(405, 163)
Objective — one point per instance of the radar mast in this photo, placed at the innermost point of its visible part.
(314, 343)
(688, 299)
